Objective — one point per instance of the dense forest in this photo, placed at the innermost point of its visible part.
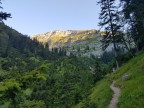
(33, 76)
(28, 78)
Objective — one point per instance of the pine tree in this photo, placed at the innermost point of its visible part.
(109, 20)
(133, 11)
(47, 46)
(4, 15)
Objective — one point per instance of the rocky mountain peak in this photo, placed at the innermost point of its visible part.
(73, 40)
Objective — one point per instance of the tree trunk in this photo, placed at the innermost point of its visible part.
(115, 53)
(113, 36)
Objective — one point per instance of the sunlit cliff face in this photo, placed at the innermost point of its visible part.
(85, 42)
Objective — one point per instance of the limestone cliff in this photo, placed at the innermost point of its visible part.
(78, 42)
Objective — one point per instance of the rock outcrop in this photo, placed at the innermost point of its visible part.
(78, 42)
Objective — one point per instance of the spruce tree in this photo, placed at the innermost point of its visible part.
(133, 11)
(109, 20)
(4, 15)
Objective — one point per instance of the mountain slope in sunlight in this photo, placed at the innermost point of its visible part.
(78, 42)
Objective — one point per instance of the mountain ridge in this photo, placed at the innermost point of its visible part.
(74, 41)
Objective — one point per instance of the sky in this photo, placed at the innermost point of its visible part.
(32, 17)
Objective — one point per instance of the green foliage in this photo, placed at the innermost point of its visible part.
(9, 90)
(133, 16)
(110, 20)
(61, 83)
(107, 56)
(4, 15)
(124, 57)
(20, 64)
(31, 104)
(14, 44)
(9, 84)
(100, 96)
(3, 42)
(69, 81)
(132, 90)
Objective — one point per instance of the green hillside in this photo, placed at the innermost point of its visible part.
(73, 68)
(132, 89)
(28, 79)
(32, 76)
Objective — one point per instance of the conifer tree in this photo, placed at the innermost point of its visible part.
(133, 11)
(109, 20)
(4, 15)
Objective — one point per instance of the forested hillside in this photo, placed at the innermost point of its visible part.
(21, 52)
(35, 74)
(12, 42)
(61, 83)
(129, 78)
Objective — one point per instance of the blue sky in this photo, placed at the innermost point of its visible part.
(37, 16)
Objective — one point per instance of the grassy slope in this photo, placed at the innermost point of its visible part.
(100, 96)
(132, 90)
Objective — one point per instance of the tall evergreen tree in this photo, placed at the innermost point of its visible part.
(4, 15)
(109, 20)
(134, 15)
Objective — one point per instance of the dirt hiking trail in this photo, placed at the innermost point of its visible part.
(114, 100)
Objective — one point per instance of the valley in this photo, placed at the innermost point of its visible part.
(72, 68)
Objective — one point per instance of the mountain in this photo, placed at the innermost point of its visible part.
(77, 42)
(21, 53)
(30, 78)
(13, 44)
